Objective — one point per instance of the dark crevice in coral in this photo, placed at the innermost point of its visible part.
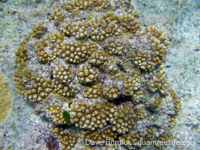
(151, 110)
(67, 35)
(121, 68)
(122, 98)
(51, 75)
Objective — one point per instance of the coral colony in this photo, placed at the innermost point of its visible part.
(109, 67)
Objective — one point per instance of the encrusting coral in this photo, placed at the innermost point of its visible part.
(38, 31)
(6, 104)
(75, 6)
(112, 69)
(67, 138)
(131, 84)
(138, 96)
(98, 115)
(159, 82)
(86, 74)
(34, 89)
(63, 74)
(111, 91)
(77, 29)
(115, 47)
(97, 58)
(57, 16)
(76, 52)
(142, 60)
(103, 54)
(91, 116)
(39, 89)
(98, 136)
(94, 91)
(132, 138)
(63, 90)
(55, 114)
(123, 119)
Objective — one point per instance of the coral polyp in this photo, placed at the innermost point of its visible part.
(108, 64)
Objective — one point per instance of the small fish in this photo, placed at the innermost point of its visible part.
(168, 66)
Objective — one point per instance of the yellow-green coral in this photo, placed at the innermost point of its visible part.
(93, 92)
(63, 74)
(77, 5)
(67, 138)
(142, 60)
(138, 96)
(6, 104)
(158, 102)
(176, 101)
(141, 113)
(115, 47)
(79, 29)
(21, 79)
(39, 89)
(111, 91)
(112, 69)
(131, 75)
(76, 52)
(91, 116)
(123, 119)
(150, 134)
(172, 122)
(98, 136)
(166, 136)
(131, 84)
(132, 138)
(86, 74)
(117, 76)
(55, 114)
(63, 90)
(159, 82)
(97, 58)
(38, 31)
(57, 16)
(97, 115)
